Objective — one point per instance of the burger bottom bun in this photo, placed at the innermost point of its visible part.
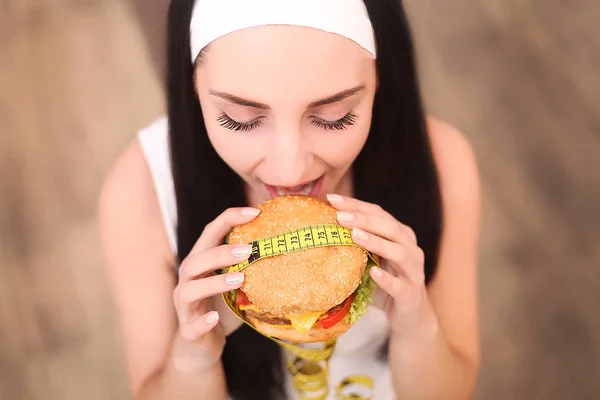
(315, 334)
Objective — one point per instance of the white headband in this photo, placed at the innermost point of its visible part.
(212, 19)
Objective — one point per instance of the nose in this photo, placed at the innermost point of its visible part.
(289, 158)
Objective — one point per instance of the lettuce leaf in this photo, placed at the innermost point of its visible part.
(362, 295)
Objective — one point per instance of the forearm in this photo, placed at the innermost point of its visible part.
(425, 366)
(181, 379)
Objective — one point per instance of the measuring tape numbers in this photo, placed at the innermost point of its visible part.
(309, 237)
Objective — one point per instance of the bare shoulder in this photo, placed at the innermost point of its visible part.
(456, 161)
(460, 185)
(128, 196)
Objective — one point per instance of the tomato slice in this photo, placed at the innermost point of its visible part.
(330, 319)
(241, 299)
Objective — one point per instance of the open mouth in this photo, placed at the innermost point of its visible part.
(308, 189)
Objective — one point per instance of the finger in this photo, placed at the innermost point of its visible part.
(200, 326)
(396, 287)
(350, 204)
(385, 227)
(410, 232)
(188, 294)
(345, 203)
(407, 297)
(216, 230)
(201, 263)
(199, 289)
(398, 255)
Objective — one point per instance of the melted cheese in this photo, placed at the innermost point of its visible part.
(303, 322)
(251, 307)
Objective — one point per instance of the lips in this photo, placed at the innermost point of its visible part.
(308, 189)
(302, 189)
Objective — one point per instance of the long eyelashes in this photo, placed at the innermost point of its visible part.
(227, 122)
(343, 123)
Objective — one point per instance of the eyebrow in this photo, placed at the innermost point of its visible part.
(254, 104)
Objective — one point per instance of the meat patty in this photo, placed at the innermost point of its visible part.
(271, 319)
(267, 318)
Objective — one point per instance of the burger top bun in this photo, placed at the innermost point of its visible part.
(304, 281)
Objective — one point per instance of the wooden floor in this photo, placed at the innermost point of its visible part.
(519, 77)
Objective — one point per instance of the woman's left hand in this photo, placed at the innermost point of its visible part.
(401, 279)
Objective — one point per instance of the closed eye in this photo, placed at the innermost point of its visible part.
(227, 122)
(341, 124)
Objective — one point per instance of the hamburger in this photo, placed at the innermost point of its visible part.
(305, 296)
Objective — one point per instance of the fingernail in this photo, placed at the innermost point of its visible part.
(334, 197)
(376, 271)
(242, 251)
(344, 216)
(250, 211)
(234, 278)
(360, 234)
(212, 316)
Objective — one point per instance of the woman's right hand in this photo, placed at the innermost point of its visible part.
(197, 296)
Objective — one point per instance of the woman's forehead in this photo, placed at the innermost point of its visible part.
(274, 60)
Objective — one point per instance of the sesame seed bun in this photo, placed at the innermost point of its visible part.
(313, 280)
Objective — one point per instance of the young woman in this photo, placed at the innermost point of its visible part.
(270, 97)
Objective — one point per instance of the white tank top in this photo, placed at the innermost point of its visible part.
(357, 350)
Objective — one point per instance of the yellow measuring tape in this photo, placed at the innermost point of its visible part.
(308, 237)
(307, 366)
